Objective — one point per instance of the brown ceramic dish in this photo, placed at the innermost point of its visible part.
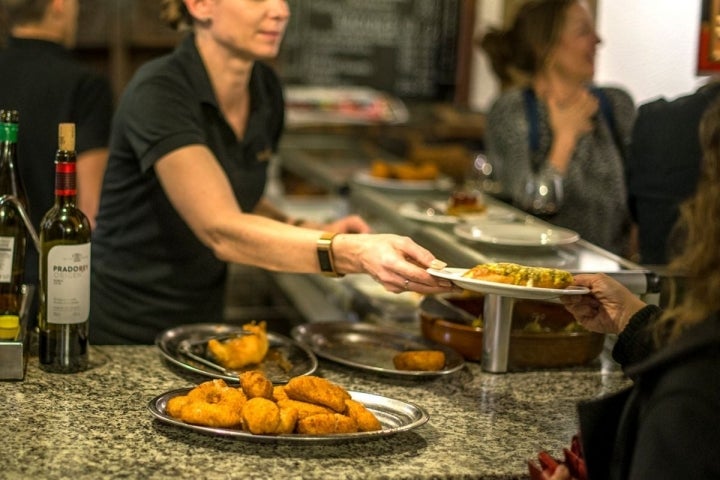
(554, 347)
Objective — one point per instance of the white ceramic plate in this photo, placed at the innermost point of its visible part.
(516, 234)
(493, 213)
(455, 275)
(442, 182)
(394, 415)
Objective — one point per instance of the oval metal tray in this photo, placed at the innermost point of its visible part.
(395, 416)
(301, 358)
(370, 347)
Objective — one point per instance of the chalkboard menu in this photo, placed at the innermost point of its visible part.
(404, 47)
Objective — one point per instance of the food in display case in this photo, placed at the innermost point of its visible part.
(380, 168)
(464, 202)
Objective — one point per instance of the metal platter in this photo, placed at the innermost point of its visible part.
(370, 347)
(395, 416)
(286, 358)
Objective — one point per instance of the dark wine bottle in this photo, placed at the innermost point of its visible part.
(63, 318)
(13, 233)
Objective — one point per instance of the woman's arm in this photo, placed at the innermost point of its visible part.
(199, 190)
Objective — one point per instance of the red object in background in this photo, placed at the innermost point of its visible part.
(708, 61)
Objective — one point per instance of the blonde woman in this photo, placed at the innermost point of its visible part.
(552, 124)
(183, 193)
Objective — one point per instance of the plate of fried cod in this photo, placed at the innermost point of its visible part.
(307, 408)
(224, 351)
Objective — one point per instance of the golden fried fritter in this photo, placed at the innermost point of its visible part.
(365, 419)
(279, 393)
(211, 404)
(317, 390)
(243, 350)
(326, 423)
(288, 420)
(176, 404)
(261, 416)
(255, 384)
(304, 409)
(420, 360)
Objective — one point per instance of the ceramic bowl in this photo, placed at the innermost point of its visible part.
(544, 334)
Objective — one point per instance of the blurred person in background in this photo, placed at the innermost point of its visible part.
(667, 425)
(183, 193)
(42, 80)
(663, 167)
(550, 123)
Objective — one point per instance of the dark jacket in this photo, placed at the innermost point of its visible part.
(663, 167)
(667, 425)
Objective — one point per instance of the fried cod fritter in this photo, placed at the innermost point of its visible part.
(317, 390)
(244, 350)
(420, 360)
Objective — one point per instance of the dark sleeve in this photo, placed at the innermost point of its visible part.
(160, 115)
(92, 112)
(635, 343)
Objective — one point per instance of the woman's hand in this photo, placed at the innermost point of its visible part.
(561, 473)
(573, 116)
(607, 308)
(395, 261)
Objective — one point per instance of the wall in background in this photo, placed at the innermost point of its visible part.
(649, 47)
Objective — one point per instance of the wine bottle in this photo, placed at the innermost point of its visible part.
(64, 269)
(13, 233)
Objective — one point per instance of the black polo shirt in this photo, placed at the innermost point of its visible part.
(149, 271)
(47, 85)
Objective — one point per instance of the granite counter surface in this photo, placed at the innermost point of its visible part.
(96, 424)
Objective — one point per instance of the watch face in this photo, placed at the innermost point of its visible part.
(324, 253)
(324, 259)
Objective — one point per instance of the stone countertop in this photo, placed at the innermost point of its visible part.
(96, 424)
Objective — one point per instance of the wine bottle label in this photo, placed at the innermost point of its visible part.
(68, 284)
(7, 253)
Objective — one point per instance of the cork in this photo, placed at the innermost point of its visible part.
(66, 137)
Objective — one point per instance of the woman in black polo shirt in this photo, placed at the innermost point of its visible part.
(183, 190)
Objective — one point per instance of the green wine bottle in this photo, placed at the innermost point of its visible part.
(64, 270)
(13, 233)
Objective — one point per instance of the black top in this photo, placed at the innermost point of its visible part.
(47, 85)
(663, 167)
(667, 426)
(149, 271)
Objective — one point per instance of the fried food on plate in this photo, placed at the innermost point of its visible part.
(288, 420)
(514, 274)
(326, 423)
(261, 409)
(304, 409)
(255, 384)
(212, 404)
(317, 390)
(420, 360)
(261, 416)
(404, 170)
(243, 350)
(366, 421)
